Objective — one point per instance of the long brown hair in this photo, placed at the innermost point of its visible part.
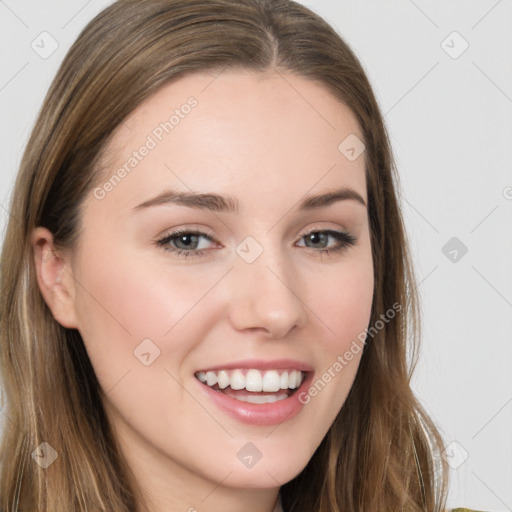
(382, 452)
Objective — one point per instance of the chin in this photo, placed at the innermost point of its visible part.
(269, 471)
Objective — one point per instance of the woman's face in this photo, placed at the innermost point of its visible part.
(202, 256)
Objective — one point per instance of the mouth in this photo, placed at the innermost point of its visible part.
(252, 385)
(257, 392)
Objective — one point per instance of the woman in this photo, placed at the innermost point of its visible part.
(207, 299)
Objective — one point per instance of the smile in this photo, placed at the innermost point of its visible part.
(252, 385)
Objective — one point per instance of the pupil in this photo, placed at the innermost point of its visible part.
(314, 236)
(183, 239)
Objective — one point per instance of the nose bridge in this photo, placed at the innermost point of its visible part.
(266, 291)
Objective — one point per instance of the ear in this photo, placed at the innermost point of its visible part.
(54, 278)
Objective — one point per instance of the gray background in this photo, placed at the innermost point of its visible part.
(448, 113)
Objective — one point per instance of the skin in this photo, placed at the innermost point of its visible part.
(268, 139)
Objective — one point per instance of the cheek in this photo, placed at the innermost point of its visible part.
(119, 304)
(122, 301)
(143, 299)
(343, 306)
(344, 303)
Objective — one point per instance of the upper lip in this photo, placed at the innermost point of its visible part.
(260, 364)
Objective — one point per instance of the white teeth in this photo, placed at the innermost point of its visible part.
(259, 399)
(271, 381)
(253, 380)
(292, 382)
(237, 380)
(223, 379)
(211, 378)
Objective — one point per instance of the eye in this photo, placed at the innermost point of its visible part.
(187, 242)
(321, 237)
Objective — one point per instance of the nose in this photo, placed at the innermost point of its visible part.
(265, 295)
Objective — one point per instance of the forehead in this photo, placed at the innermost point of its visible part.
(257, 135)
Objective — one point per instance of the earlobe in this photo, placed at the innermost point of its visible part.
(54, 278)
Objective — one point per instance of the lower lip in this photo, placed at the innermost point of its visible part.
(259, 414)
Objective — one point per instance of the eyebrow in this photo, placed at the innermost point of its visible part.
(218, 203)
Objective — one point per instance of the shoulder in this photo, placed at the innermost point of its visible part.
(464, 510)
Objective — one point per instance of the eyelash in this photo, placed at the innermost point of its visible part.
(345, 238)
